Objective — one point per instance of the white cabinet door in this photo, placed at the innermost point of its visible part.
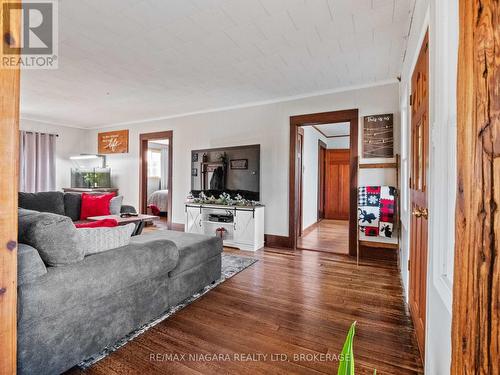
(193, 220)
(244, 231)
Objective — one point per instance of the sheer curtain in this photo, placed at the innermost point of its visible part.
(37, 162)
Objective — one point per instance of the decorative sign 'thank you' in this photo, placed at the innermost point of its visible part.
(113, 142)
(378, 136)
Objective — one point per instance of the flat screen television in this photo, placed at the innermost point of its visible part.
(232, 170)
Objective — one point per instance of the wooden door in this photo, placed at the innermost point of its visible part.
(321, 179)
(300, 153)
(337, 184)
(418, 192)
(9, 176)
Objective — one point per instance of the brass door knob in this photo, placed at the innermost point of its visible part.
(416, 212)
(419, 212)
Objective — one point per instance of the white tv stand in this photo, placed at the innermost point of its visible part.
(246, 232)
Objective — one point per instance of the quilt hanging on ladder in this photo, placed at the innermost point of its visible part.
(376, 209)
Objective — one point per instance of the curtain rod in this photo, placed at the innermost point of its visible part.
(30, 132)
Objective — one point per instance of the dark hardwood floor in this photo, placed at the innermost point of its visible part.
(327, 235)
(290, 303)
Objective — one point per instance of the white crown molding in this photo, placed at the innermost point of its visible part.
(228, 108)
(27, 118)
(252, 104)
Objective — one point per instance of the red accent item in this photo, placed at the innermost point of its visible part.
(98, 224)
(373, 189)
(371, 231)
(95, 205)
(154, 209)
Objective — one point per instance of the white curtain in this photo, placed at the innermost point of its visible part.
(37, 162)
(164, 168)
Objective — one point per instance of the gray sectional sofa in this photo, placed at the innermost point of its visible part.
(73, 308)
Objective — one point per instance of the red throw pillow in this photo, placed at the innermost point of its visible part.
(98, 224)
(95, 205)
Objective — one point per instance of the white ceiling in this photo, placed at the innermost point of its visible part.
(128, 60)
(333, 130)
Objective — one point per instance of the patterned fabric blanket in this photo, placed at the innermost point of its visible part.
(376, 208)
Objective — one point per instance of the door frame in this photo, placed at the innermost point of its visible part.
(351, 116)
(322, 147)
(143, 169)
(300, 134)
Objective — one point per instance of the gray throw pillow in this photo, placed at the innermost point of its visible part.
(54, 236)
(115, 205)
(96, 240)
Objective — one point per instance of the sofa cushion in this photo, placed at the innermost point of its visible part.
(96, 240)
(97, 276)
(193, 248)
(29, 264)
(47, 201)
(72, 205)
(54, 236)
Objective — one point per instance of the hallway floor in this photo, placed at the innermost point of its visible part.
(327, 235)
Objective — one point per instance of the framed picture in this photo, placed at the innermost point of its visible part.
(239, 164)
(194, 172)
(113, 142)
(378, 136)
(194, 157)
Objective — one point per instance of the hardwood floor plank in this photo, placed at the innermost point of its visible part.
(300, 304)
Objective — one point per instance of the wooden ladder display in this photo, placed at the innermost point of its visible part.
(397, 222)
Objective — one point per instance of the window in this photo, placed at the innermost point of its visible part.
(154, 163)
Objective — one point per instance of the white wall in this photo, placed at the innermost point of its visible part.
(267, 125)
(310, 176)
(71, 141)
(336, 143)
(441, 17)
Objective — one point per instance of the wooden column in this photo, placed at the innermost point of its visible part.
(476, 295)
(9, 154)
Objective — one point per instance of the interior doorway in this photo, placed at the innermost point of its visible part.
(323, 181)
(156, 176)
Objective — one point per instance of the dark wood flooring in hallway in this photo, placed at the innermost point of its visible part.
(327, 235)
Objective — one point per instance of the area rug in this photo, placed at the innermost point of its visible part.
(231, 265)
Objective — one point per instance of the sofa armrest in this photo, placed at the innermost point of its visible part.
(29, 264)
(126, 209)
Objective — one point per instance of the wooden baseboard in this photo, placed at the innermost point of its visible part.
(178, 227)
(281, 242)
(310, 228)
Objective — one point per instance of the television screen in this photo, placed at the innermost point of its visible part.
(233, 170)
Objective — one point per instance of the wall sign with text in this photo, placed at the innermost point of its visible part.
(113, 142)
(378, 136)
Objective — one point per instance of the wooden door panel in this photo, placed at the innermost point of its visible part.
(337, 184)
(418, 194)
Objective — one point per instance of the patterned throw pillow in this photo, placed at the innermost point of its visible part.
(96, 240)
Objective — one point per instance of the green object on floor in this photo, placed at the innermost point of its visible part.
(346, 366)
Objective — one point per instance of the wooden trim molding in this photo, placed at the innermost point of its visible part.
(476, 285)
(351, 116)
(143, 169)
(329, 136)
(9, 177)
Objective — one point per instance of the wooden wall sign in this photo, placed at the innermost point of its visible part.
(113, 142)
(378, 136)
